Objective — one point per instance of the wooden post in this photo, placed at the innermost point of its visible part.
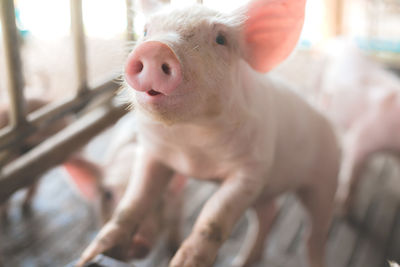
(129, 21)
(339, 17)
(78, 36)
(55, 150)
(15, 80)
(334, 17)
(45, 116)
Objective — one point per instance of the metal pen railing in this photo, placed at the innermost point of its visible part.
(24, 170)
(15, 79)
(78, 36)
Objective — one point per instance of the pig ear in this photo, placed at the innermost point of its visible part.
(86, 176)
(150, 6)
(271, 31)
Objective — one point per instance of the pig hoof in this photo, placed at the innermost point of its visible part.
(172, 249)
(348, 206)
(140, 252)
(4, 220)
(173, 246)
(345, 209)
(189, 258)
(344, 206)
(140, 248)
(240, 262)
(27, 209)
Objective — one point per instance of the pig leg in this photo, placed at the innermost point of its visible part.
(216, 221)
(144, 191)
(260, 218)
(30, 193)
(360, 142)
(147, 234)
(354, 161)
(166, 217)
(173, 212)
(4, 213)
(319, 202)
(174, 226)
(377, 131)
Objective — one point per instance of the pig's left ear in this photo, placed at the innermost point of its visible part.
(85, 175)
(271, 31)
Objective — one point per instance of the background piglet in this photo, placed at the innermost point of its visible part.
(204, 110)
(104, 184)
(363, 99)
(32, 105)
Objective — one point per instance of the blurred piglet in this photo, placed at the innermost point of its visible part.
(104, 184)
(205, 110)
(363, 100)
(32, 104)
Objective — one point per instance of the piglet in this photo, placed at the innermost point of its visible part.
(104, 184)
(204, 109)
(32, 104)
(363, 100)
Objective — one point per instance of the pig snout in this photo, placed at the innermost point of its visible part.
(153, 68)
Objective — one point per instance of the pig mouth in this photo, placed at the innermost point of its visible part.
(153, 92)
(157, 99)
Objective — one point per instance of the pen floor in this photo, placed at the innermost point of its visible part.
(62, 224)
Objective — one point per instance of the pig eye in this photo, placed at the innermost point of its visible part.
(221, 40)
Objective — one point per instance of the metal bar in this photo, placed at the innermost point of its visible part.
(129, 21)
(45, 116)
(15, 78)
(78, 36)
(55, 150)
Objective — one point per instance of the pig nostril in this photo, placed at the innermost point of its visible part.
(153, 64)
(138, 67)
(166, 69)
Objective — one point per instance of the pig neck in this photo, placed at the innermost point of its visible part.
(246, 119)
(229, 123)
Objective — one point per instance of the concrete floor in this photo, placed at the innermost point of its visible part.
(62, 224)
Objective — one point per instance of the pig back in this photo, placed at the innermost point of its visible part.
(306, 144)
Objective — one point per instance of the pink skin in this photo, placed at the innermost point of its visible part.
(104, 185)
(365, 106)
(228, 123)
(153, 68)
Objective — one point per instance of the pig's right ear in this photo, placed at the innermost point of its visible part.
(271, 31)
(85, 175)
(147, 7)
